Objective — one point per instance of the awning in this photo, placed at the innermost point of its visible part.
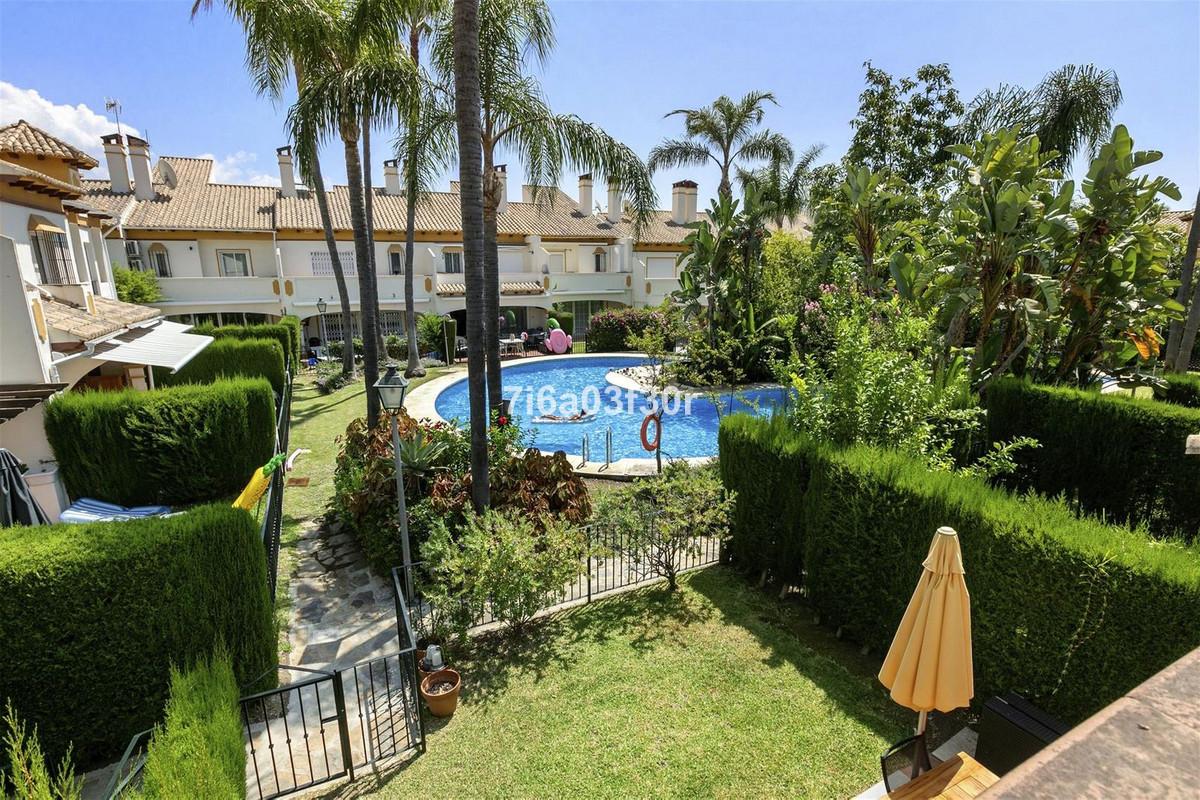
(16, 398)
(164, 344)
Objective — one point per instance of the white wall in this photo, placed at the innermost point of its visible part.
(262, 256)
(14, 223)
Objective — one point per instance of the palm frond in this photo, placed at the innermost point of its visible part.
(672, 153)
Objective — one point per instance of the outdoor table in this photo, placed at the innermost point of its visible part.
(512, 347)
(959, 778)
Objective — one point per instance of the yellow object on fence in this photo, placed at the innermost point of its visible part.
(258, 484)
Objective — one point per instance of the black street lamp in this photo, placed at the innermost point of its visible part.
(321, 306)
(392, 387)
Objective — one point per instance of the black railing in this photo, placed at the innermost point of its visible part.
(272, 521)
(611, 559)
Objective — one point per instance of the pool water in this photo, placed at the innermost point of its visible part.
(565, 386)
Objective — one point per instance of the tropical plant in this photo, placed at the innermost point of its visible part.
(1181, 341)
(1070, 111)
(782, 185)
(516, 118)
(421, 453)
(727, 134)
(903, 126)
(281, 37)
(464, 46)
(136, 286)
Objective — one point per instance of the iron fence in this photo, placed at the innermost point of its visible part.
(337, 720)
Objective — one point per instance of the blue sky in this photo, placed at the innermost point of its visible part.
(623, 65)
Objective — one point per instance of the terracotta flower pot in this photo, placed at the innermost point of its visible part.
(444, 703)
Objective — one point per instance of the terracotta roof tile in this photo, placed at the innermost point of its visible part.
(110, 317)
(24, 176)
(24, 139)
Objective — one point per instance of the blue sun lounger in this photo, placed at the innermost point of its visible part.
(86, 509)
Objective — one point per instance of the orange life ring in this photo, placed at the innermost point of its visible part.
(646, 445)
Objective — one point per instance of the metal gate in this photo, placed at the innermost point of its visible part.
(327, 725)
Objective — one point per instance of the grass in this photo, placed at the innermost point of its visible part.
(717, 690)
(317, 422)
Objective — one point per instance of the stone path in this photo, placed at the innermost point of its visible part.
(342, 613)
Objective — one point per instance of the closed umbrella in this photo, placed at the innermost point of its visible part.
(17, 506)
(928, 667)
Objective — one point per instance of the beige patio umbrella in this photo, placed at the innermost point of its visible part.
(928, 666)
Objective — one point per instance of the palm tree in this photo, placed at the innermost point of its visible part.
(358, 76)
(1070, 111)
(1181, 340)
(278, 37)
(725, 133)
(516, 118)
(782, 186)
(470, 176)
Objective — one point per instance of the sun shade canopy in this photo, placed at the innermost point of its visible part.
(165, 344)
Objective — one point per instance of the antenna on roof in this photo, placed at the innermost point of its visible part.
(113, 105)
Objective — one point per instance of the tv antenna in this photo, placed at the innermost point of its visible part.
(113, 105)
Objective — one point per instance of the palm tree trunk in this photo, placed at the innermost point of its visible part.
(339, 277)
(368, 207)
(470, 176)
(367, 299)
(1178, 356)
(411, 190)
(491, 279)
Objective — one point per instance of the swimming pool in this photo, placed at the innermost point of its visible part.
(566, 385)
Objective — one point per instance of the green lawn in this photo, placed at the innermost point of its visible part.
(719, 690)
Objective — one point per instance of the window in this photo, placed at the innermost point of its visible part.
(50, 251)
(391, 323)
(322, 265)
(160, 262)
(234, 263)
(396, 261)
(452, 260)
(601, 258)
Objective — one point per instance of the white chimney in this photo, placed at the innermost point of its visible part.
(683, 202)
(391, 177)
(614, 202)
(118, 166)
(287, 175)
(502, 188)
(139, 161)
(585, 194)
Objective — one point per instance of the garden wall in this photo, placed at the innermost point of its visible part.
(1119, 457)
(92, 618)
(230, 358)
(181, 444)
(1069, 612)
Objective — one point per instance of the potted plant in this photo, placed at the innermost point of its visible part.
(440, 691)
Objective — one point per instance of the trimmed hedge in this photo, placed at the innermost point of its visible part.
(92, 618)
(1182, 389)
(230, 358)
(198, 750)
(183, 444)
(609, 331)
(285, 333)
(1119, 457)
(1070, 612)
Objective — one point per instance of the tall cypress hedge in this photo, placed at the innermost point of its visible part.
(1182, 389)
(182, 444)
(230, 358)
(286, 333)
(92, 618)
(1069, 612)
(1119, 457)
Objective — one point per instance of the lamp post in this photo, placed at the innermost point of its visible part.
(321, 306)
(391, 388)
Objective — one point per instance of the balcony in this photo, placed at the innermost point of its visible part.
(218, 291)
(591, 285)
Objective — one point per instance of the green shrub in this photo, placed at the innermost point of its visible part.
(296, 335)
(283, 332)
(1117, 456)
(1182, 389)
(337, 347)
(25, 775)
(608, 331)
(1067, 611)
(565, 320)
(429, 334)
(198, 750)
(182, 444)
(136, 286)
(93, 616)
(229, 358)
(396, 347)
(330, 377)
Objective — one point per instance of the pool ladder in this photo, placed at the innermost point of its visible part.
(586, 449)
